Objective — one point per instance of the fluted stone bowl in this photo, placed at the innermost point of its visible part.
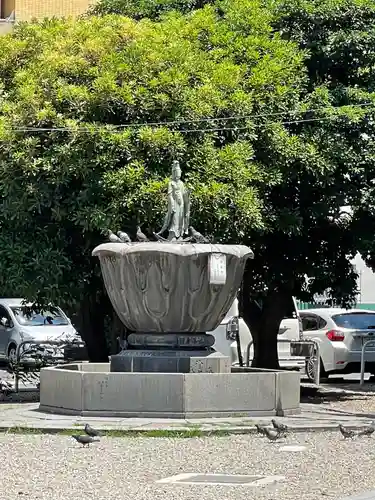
(164, 287)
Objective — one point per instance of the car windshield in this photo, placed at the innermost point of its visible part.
(359, 321)
(39, 318)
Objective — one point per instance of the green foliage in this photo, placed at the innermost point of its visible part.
(97, 83)
(151, 9)
(329, 156)
(317, 162)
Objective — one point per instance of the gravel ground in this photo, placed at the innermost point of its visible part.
(57, 468)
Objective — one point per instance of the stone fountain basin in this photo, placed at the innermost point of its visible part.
(90, 389)
(165, 287)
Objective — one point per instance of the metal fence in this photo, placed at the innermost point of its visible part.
(33, 355)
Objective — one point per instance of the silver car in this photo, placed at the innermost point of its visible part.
(340, 334)
(17, 327)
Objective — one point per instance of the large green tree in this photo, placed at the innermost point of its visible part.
(324, 153)
(329, 164)
(79, 151)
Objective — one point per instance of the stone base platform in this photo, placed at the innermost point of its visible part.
(90, 389)
(149, 361)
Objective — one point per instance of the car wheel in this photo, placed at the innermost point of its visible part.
(12, 353)
(310, 369)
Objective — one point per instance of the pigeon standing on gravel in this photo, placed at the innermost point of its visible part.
(279, 427)
(90, 431)
(140, 235)
(347, 433)
(84, 440)
(113, 238)
(368, 431)
(272, 434)
(124, 237)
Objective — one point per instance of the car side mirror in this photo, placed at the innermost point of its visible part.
(233, 328)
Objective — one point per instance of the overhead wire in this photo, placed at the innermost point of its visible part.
(89, 127)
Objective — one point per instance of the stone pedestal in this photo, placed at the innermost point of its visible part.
(170, 353)
(170, 362)
(90, 390)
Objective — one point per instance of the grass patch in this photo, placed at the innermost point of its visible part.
(118, 433)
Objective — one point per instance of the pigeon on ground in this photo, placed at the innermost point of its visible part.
(260, 429)
(347, 433)
(368, 431)
(197, 236)
(124, 237)
(84, 440)
(140, 235)
(90, 431)
(113, 238)
(272, 434)
(279, 427)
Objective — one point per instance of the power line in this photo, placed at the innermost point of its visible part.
(241, 117)
(249, 126)
(91, 127)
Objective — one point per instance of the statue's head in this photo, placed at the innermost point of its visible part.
(176, 170)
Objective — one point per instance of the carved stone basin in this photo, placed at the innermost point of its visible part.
(166, 287)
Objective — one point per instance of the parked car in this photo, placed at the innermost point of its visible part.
(290, 329)
(340, 334)
(16, 326)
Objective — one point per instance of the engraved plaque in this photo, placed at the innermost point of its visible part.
(172, 340)
(218, 269)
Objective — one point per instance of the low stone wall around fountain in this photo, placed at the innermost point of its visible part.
(90, 389)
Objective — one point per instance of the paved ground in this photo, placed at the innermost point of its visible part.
(55, 467)
(340, 402)
(313, 417)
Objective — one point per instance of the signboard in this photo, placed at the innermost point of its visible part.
(217, 269)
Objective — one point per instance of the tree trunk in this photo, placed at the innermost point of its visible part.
(264, 321)
(91, 326)
(265, 335)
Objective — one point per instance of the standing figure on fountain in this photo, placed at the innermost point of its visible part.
(177, 219)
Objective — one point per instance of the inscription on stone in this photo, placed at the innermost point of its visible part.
(178, 341)
(218, 269)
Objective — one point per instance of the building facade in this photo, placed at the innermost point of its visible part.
(26, 10)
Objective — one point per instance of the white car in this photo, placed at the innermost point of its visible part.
(17, 327)
(340, 334)
(290, 329)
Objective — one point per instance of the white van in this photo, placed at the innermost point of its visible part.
(290, 329)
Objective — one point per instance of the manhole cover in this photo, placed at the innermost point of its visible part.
(221, 479)
(293, 448)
